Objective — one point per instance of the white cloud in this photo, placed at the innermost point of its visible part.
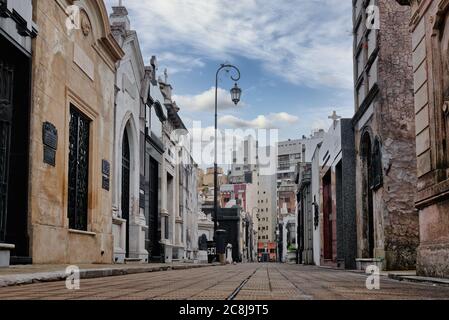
(176, 63)
(307, 42)
(271, 121)
(285, 117)
(205, 101)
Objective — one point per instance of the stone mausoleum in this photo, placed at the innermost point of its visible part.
(429, 27)
(384, 128)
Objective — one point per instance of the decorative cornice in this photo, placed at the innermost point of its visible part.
(23, 28)
(432, 195)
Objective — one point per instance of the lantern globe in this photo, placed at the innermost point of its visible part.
(236, 94)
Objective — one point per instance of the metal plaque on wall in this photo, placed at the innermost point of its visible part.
(105, 183)
(106, 172)
(50, 141)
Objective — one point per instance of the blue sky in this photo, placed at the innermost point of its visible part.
(295, 58)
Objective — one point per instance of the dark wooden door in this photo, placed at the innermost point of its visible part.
(154, 225)
(126, 158)
(6, 105)
(370, 214)
(327, 216)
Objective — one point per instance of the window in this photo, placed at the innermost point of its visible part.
(79, 130)
(376, 166)
(360, 64)
(372, 74)
(361, 94)
(153, 125)
(372, 42)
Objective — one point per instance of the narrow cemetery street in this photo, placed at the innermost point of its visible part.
(232, 282)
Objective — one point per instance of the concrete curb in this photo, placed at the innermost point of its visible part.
(423, 280)
(29, 278)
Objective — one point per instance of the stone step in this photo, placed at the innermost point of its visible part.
(133, 261)
(5, 250)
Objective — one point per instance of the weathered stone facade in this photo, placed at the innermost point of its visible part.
(128, 214)
(387, 221)
(73, 72)
(430, 46)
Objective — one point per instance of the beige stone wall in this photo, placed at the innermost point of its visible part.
(430, 33)
(78, 69)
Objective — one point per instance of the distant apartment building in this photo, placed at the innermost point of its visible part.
(244, 162)
(206, 188)
(244, 197)
(246, 170)
(267, 217)
(290, 154)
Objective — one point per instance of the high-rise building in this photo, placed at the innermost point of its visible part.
(244, 162)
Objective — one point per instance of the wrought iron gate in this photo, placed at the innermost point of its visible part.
(154, 227)
(6, 95)
(78, 170)
(125, 186)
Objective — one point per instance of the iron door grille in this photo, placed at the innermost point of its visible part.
(6, 94)
(78, 170)
(126, 157)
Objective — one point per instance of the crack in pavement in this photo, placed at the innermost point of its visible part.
(240, 287)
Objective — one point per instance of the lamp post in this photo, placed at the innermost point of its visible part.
(236, 93)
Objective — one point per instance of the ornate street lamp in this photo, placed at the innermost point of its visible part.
(236, 94)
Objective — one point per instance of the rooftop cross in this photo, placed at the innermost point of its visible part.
(335, 117)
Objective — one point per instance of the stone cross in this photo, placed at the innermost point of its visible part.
(335, 117)
(166, 75)
(120, 3)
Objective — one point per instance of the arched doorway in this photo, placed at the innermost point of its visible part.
(126, 161)
(15, 70)
(328, 249)
(368, 211)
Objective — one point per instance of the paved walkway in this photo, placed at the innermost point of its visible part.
(27, 274)
(244, 281)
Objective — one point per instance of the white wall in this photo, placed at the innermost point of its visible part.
(130, 74)
(316, 197)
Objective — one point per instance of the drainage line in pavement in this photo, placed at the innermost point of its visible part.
(240, 287)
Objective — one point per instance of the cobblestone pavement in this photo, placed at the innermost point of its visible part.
(239, 282)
